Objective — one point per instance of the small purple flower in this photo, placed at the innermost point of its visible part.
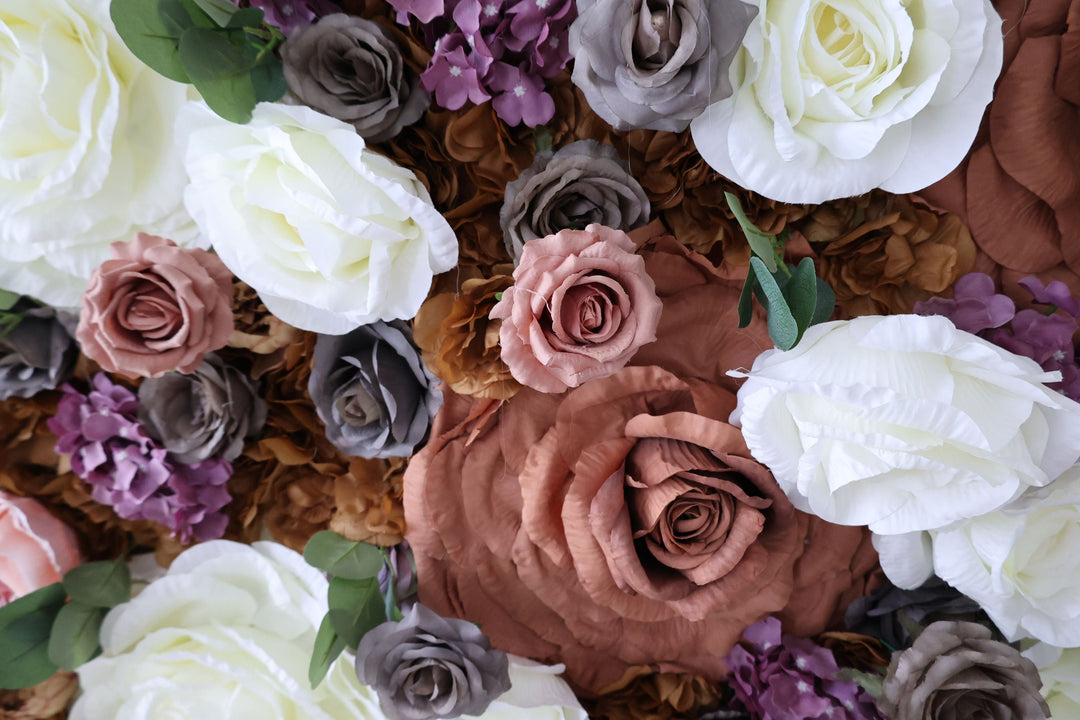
(287, 15)
(423, 10)
(129, 471)
(780, 677)
(521, 96)
(530, 19)
(452, 77)
(1046, 339)
(404, 576)
(1055, 293)
(975, 306)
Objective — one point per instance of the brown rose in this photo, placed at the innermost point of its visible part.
(581, 306)
(641, 694)
(155, 307)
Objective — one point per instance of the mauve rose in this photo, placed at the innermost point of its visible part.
(38, 353)
(155, 307)
(426, 666)
(655, 63)
(352, 69)
(580, 307)
(956, 671)
(582, 184)
(372, 390)
(207, 413)
(36, 549)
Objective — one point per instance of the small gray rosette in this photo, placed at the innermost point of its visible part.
(36, 354)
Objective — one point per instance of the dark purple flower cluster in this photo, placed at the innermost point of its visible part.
(1046, 337)
(129, 471)
(498, 50)
(288, 15)
(780, 677)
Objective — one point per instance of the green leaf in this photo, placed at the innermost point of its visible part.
(746, 299)
(103, 584)
(74, 638)
(196, 14)
(146, 34)
(542, 139)
(783, 330)
(328, 645)
(802, 294)
(25, 625)
(871, 683)
(761, 243)
(356, 606)
(220, 11)
(246, 17)
(220, 70)
(268, 78)
(826, 302)
(343, 558)
(8, 299)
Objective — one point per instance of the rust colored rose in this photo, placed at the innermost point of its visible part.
(882, 253)
(1019, 188)
(580, 307)
(155, 307)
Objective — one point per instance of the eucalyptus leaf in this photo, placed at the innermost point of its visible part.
(198, 17)
(146, 34)
(220, 11)
(356, 606)
(343, 558)
(221, 71)
(250, 17)
(802, 294)
(268, 78)
(783, 330)
(8, 299)
(103, 584)
(746, 299)
(542, 139)
(871, 683)
(760, 243)
(25, 625)
(826, 303)
(75, 632)
(328, 645)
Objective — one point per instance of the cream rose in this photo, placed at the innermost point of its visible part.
(88, 155)
(1060, 672)
(331, 235)
(904, 423)
(1020, 563)
(228, 633)
(833, 99)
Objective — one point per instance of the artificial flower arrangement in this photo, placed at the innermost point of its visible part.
(494, 359)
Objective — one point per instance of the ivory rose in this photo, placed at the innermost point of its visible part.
(36, 549)
(88, 154)
(331, 235)
(834, 99)
(904, 423)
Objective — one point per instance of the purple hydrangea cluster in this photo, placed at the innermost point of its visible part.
(1046, 337)
(288, 15)
(127, 470)
(780, 677)
(498, 50)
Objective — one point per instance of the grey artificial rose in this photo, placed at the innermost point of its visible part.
(427, 666)
(656, 63)
(372, 390)
(879, 613)
(581, 184)
(38, 353)
(956, 671)
(207, 413)
(352, 69)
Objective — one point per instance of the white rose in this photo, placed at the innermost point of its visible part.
(1020, 563)
(1060, 672)
(834, 99)
(88, 154)
(330, 234)
(904, 423)
(228, 632)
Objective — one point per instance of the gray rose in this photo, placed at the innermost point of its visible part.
(372, 390)
(207, 413)
(883, 613)
(352, 69)
(427, 666)
(581, 184)
(38, 353)
(955, 671)
(655, 63)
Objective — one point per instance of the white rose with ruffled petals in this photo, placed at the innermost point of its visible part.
(1060, 672)
(227, 633)
(331, 235)
(904, 423)
(833, 99)
(88, 155)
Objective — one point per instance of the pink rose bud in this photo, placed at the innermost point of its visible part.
(36, 549)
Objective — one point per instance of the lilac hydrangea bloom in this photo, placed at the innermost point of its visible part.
(521, 96)
(780, 677)
(452, 77)
(1055, 293)
(975, 305)
(129, 471)
(288, 15)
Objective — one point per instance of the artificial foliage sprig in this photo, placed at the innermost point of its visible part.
(225, 51)
(793, 296)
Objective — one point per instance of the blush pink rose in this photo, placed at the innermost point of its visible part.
(36, 549)
(580, 307)
(155, 307)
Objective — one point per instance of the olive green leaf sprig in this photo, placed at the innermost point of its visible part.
(9, 318)
(357, 604)
(225, 51)
(57, 626)
(793, 296)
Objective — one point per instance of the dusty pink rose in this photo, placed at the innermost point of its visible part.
(155, 307)
(581, 306)
(36, 549)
